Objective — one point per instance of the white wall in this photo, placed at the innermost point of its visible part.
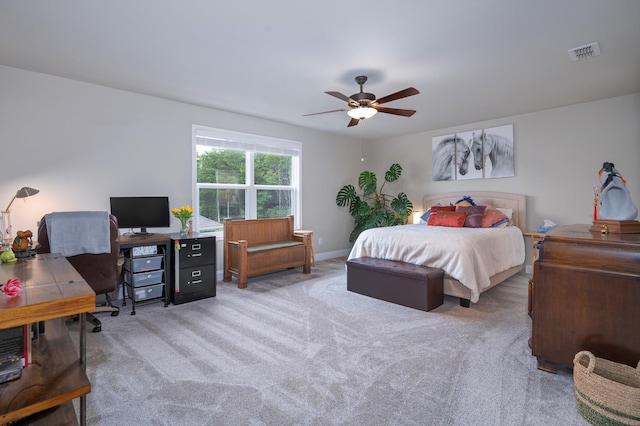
(80, 143)
(557, 155)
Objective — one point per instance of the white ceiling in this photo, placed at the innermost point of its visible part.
(472, 60)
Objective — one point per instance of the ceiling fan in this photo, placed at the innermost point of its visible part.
(361, 106)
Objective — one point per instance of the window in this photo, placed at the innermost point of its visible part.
(243, 176)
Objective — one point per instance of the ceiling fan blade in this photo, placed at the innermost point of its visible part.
(353, 122)
(341, 96)
(410, 91)
(324, 112)
(396, 111)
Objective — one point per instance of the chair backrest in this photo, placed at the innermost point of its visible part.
(100, 271)
(259, 231)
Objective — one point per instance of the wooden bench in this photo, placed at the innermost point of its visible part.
(406, 284)
(259, 246)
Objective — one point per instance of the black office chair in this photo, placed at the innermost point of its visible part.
(100, 271)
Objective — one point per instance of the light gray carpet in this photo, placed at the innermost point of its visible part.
(295, 349)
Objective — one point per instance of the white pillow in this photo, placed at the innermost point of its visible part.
(506, 212)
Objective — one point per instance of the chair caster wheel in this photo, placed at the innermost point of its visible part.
(133, 313)
(97, 329)
(115, 313)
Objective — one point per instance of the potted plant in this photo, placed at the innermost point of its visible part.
(373, 208)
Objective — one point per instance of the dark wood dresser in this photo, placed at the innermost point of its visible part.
(586, 296)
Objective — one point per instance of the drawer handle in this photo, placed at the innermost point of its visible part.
(195, 247)
(196, 255)
(196, 273)
(196, 281)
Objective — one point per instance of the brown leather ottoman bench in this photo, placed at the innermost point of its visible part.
(405, 284)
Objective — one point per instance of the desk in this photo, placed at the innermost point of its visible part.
(52, 290)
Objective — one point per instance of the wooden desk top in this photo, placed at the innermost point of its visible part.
(127, 241)
(52, 288)
(582, 232)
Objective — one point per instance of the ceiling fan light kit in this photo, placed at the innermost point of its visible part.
(362, 112)
(362, 105)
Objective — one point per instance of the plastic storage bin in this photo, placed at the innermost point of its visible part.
(148, 292)
(144, 278)
(143, 264)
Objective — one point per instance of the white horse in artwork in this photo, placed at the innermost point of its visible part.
(498, 149)
(449, 152)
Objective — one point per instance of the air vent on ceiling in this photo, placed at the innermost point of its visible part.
(584, 52)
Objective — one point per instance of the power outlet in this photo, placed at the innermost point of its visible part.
(320, 241)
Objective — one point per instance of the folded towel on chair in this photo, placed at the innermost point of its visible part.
(73, 233)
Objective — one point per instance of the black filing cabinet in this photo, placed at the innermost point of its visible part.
(194, 268)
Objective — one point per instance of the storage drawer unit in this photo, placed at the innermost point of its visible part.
(194, 269)
(144, 275)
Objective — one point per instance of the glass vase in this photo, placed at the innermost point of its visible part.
(184, 229)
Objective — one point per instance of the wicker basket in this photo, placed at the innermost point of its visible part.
(607, 393)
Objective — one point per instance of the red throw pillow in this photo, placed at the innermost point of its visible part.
(443, 209)
(447, 218)
(491, 217)
(427, 214)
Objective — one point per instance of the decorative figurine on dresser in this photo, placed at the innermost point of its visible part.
(586, 286)
(615, 211)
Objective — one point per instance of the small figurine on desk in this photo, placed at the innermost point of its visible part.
(23, 243)
(614, 197)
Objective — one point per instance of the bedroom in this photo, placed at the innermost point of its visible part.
(140, 145)
(80, 142)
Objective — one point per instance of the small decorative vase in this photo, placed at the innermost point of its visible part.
(184, 230)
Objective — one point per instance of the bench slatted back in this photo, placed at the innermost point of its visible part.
(259, 231)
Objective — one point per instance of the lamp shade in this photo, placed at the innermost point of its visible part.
(362, 112)
(23, 192)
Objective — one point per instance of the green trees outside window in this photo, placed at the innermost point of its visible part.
(230, 181)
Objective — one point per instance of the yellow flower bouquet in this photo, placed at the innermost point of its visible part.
(183, 213)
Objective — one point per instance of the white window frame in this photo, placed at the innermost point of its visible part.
(221, 138)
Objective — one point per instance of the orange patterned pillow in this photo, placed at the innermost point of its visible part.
(447, 218)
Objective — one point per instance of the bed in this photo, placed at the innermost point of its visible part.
(474, 259)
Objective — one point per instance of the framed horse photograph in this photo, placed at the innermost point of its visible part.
(450, 157)
(476, 154)
(493, 151)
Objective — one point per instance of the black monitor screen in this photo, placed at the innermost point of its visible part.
(141, 212)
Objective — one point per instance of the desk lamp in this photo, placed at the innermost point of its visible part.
(23, 192)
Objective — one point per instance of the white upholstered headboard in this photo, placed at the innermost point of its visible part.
(516, 202)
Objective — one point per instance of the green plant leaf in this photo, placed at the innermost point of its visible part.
(394, 173)
(346, 195)
(368, 183)
(402, 205)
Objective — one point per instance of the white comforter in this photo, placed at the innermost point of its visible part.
(470, 255)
